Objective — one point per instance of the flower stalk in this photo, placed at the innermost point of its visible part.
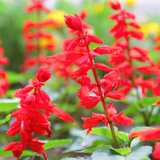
(102, 97)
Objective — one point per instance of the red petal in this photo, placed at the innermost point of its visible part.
(135, 25)
(136, 34)
(72, 55)
(10, 146)
(103, 67)
(121, 119)
(156, 151)
(62, 114)
(118, 95)
(95, 39)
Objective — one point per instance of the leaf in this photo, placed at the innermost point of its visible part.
(149, 101)
(94, 149)
(134, 142)
(106, 154)
(123, 138)
(56, 143)
(9, 153)
(10, 104)
(102, 131)
(7, 118)
(101, 142)
(139, 153)
(122, 151)
(78, 158)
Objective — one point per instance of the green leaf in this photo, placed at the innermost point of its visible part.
(6, 119)
(134, 142)
(101, 142)
(94, 149)
(106, 154)
(56, 143)
(78, 158)
(122, 151)
(122, 138)
(149, 101)
(139, 153)
(9, 153)
(8, 105)
(102, 131)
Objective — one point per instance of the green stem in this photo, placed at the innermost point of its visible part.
(102, 98)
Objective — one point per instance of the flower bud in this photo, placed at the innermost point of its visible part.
(43, 74)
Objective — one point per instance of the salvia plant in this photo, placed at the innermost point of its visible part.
(126, 82)
(35, 36)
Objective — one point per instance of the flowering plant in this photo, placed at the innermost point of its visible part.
(118, 91)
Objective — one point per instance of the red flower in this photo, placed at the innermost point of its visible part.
(119, 119)
(29, 119)
(43, 74)
(114, 5)
(149, 134)
(74, 22)
(156, 151)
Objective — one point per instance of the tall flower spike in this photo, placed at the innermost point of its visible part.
(30, 120)
(84, 58)
(36, 39)
(123, 31)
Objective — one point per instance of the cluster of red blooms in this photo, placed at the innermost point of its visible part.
(124, 61)
(34, 35)
(4, 84)
(30, 119)
(61, 65)
(125, 29)
(103, 88)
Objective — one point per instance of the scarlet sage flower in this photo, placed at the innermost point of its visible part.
(4, 84)
(123, 31)
(29, 118)
(64, 64)
(84, 58)
(35, 36)
(119, 119)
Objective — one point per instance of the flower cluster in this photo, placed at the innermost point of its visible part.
(36, 39)
(106, 87)
(30, 119)
(64, 66)
(4, 84)
(124, 30)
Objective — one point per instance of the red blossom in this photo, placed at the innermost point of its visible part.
(43, 74)
(30, 120)
(119, 119)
